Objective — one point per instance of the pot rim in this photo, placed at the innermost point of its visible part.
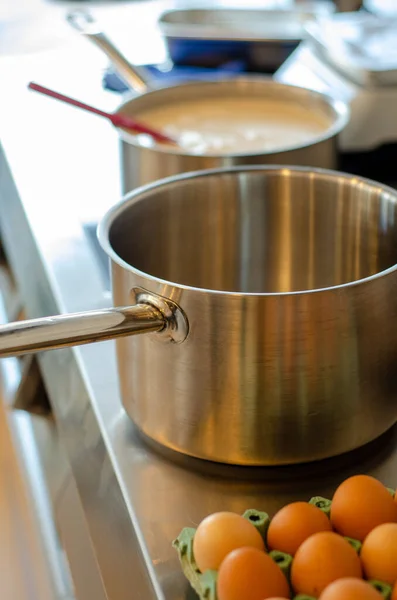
(185, 29)
(340, 108)
(141, 194)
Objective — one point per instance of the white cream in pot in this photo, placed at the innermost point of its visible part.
(237, 125)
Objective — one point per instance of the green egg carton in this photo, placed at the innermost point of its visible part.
(384, 589)
(204, 584)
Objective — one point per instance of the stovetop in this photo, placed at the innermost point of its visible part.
(90, 230)
(58, 174)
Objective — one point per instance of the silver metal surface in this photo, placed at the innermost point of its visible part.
(141, 165)
(135, 499)
(55, 332)
(83, 22)
(262, 39)
(151, 313)
(242, 25)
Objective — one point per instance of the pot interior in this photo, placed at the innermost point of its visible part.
(263, 230)
(267, 117)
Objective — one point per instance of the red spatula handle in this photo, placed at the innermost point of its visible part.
(43, 90)
(117, 119)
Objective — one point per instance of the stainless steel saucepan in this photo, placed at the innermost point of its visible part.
(141, 165)
(271, 294)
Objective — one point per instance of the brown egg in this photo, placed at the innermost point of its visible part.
(250, 574)
(293, 524)
(394, 594)
(360, 504)
(219, 534)
(379, 553)
(321, 559)
(350, 588)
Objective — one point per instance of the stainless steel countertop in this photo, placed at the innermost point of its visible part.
(59, 170)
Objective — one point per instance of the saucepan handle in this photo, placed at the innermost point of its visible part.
(83, 22)
(50, 333)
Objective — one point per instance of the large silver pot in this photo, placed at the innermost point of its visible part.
(273, 292)
(141, 165)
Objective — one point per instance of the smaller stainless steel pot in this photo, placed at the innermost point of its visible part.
(141, 165)
(274, 290)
